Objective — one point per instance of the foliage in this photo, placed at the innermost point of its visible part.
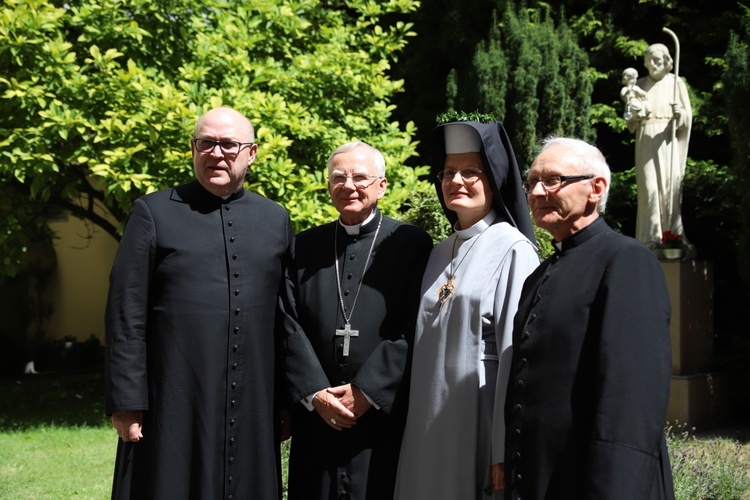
(543, 242)
(426, 212)
(709, 468)
(709, 205)
(533, 76)
(622, 201)
(21, 223)
(100, 97)
(462, 116)
(736, 80)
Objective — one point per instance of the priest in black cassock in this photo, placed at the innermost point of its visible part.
(352, 303)
(587, 398)
(190, 329)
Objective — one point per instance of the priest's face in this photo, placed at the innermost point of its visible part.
(357, 196)
(569, 206)
(221, 169)
(466, 189)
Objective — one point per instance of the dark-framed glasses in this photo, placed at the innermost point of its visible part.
(469, 175)
(227, 147)
(553, 182)
(360, 180)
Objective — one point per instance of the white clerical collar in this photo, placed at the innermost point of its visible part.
(478, 227)
(226, 197)
(353, 230)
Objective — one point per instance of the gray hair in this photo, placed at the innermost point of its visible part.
(377, 156)
(586, 159)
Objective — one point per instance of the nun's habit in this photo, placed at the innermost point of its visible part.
(462, 349)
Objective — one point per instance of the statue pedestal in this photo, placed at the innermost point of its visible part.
(699, 401)
(697, 394)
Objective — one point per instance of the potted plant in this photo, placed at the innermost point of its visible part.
(671, 244)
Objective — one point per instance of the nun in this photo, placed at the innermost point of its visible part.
(454, 441)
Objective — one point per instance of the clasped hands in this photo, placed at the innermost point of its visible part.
(341, 406)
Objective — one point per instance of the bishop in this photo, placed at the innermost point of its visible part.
(363, 269)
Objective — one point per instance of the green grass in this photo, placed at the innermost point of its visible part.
(55, 442)
(56, 462)
(709, 467)
(54, 439)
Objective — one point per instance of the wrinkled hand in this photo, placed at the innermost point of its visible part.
(498, 476)
(128, 425)
(352, 398)
(330, 409)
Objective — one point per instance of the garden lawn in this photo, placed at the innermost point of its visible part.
(57, 462)
(55, 442)
(54, 438)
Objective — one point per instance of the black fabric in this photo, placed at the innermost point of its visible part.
(589, 385)
(497, 152)
(358, 462)
(190, 339)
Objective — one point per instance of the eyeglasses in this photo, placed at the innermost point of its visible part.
(553, 182)
(227, 147)
(360, 180)
(469, 175)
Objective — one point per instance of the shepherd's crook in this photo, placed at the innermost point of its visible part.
(672, 166)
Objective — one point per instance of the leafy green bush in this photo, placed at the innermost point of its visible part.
(100, 97)
(424, 210)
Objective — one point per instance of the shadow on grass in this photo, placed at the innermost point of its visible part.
(67, 399)
(739, 433)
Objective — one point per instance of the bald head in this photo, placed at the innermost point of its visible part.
(222, 170)
(231, 116)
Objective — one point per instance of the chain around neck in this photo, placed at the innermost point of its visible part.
(364, 269)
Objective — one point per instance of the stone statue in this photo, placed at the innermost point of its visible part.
(636, 100)
(661, 117)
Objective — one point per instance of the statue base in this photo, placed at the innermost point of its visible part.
(699, 401)
(698, 394)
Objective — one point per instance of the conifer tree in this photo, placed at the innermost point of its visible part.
(534, 77)
(736, 80)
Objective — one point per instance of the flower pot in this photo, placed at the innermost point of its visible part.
(672, 253)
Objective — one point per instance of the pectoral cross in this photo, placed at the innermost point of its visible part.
(347, 333)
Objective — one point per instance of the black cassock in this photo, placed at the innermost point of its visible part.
(589, 382)
(190, 339)
(360, 462)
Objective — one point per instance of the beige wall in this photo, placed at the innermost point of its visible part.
(77, 289)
